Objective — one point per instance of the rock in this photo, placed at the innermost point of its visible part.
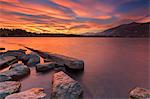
(6, 60)
(59, 68)
(15, 65)
(34, 93)
(140, 93)
(19, 54)
(2, 48)
(17, 72)
(47, 60)
(70, 63)
(5, 78)
(33, 59)
(9, 87)
(15, 52)
(45, 66)
(64, 87)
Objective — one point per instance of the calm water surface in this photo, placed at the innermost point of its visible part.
(113, 66)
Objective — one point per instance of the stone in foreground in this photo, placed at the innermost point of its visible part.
(34, 93)
(33, 59)
(17, 72)
(6, 60)
(140, 93)
(9, 87)
(45, 66)
(70, 63)
(64, 87)
(5, 78)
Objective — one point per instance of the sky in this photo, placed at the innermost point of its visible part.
(71, 16)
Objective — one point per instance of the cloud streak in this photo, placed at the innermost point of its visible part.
(70, 16)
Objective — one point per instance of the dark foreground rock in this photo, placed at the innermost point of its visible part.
(140, 93)
(17, 72)
(33, 59)
(6, 61)
(64, 87)
(70, 63)
(5, 78)
(34, 93)
(8, 87)
(17, 53)
(45, 66)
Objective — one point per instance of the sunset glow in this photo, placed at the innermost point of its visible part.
(70, 16)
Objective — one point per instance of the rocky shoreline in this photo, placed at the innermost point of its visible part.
(63, 86)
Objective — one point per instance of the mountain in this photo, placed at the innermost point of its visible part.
(127, 30)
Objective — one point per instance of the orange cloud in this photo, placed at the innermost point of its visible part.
(83, 9)
(68, 16)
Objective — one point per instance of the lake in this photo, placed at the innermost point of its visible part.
(113, 66)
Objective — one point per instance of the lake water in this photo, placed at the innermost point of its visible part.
(113, 66)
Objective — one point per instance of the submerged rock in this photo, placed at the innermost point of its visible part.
(140, 93)
(34, 93)
(17, 72)
(64, 87)
(6, 60)
(9, 87)
(33, 59)
(45, 66)
(70, 63)
(5, 78)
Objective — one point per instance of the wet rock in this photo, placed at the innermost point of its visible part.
(59, 68)
(19, 54)
(70, 63)
(33, 59)
(9, 87)
(47, 60)
(17, 72)
(140, 93)
(7, 60)
(15, 52)
(45, 66)
(1, 48)
(34, 93)
(5, 78)
(15, 65)
(64, 87)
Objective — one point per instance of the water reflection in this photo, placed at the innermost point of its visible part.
(112, 66)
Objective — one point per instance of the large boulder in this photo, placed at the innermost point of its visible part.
(9, 87)
(70, 63)
(33, 59)
(140, 93)
(64, 87)
(6, 61)
(34, 93)
(5, 78)
(45, 66)
(17, 72)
